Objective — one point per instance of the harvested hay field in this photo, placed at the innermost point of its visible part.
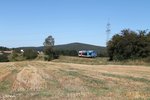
(39, 80)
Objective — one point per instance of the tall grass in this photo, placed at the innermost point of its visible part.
(101, 61)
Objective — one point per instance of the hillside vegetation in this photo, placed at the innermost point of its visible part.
(39, 80)
(75, 47)
(80, 46)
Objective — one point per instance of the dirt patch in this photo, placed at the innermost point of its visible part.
(29, 79)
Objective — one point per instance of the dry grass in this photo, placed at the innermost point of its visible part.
(100, 61)
(39, 80)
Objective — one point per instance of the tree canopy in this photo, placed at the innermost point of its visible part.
(49, 52)
(3, 48)
(49, 41)
(129, 44)
(30, 53)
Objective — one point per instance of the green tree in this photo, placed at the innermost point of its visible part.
(129, 45)
(49, 41)
(49, 53)
(30, 53)
(49, 49)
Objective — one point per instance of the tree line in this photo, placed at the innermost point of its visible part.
(129, 44)
(4, 48)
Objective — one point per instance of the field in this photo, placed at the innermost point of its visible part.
(39, 80)
(101, 61)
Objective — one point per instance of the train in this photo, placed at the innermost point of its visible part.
(87, 53)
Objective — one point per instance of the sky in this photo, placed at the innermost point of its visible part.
(29, 22)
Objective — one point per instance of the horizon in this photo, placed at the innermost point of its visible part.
(55, 45)
(28, 23)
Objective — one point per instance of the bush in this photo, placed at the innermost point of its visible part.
(14, 56)
(30, 53)
(17, 50)
(50, 53)
(3, 58)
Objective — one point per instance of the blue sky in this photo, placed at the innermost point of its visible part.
(29, 22)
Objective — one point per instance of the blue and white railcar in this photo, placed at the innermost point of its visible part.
(87, 53)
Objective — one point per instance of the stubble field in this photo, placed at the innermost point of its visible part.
(39, 80)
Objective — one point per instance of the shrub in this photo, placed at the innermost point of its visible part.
(14, 56)
(3, 58)
(30, 53)
(48, 51)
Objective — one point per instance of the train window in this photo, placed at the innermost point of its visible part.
(84, 53)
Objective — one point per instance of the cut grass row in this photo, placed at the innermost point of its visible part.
(137, 79)
(95, 86)
(75, 81)
(101, 87)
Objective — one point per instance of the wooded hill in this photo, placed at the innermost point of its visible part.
(73, 46)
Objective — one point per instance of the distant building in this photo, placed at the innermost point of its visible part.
(40, 52)
(6, 52)
(22, 51)
(87, 53)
